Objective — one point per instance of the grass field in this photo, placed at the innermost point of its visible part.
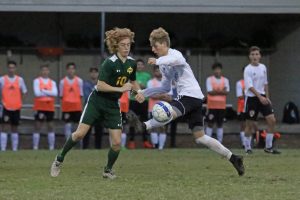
(150, 174)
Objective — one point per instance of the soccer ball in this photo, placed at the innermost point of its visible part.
(162, 111)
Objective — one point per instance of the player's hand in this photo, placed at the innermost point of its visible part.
(126, 87)
(264, 100)
(140, 97)
(152, 61)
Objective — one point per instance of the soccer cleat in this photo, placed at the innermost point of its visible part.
(55, 168)
(147, 145)
(131, 145)
(108, 173)
(272, 151)
(237, 162)
(249, 151)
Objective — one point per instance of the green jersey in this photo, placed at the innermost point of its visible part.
(116, 73)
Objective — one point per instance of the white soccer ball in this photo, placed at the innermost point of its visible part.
(162, 111)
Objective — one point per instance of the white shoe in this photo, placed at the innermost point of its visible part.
(109, 174)
(55, 168)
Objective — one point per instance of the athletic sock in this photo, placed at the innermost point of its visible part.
(51, 140)
(3, 141)
(162, 140)
(242, 136)
(15, 141)
(214, 145)
(67, 147)
(154, 138)
(247, 140)
(111, 158)
(152, 123)
(68, 130)
(209, 131)
(269, 140)
(36, 140)
(123, 139)
(220, 134)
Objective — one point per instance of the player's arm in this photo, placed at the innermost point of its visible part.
(23, 88)
(173, 59)
(53, 92)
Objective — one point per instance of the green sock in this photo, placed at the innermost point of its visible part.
(67, 146)
(112, 157)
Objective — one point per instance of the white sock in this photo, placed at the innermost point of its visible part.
(247, 142)
(214, 145)
(51, 140)
(3, 141)
(209, 131)
(269, 140)
(162, 140)
(36, 140)
(154, 138)
(242, 136)
(220, 134)
(152, 123)
(68, 130)
(15, 141)
(123, 139)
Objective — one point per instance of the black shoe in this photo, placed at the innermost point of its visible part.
(249, 151)
(237, 162)
(272, 151)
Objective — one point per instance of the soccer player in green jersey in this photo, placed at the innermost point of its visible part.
(117, 75)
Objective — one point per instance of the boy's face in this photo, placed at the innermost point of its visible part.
(71, 70)
(217, 72)
(94, 74)
(45, 72)
(124, 47)
(160, 49)
(254, 57)
(12, 68)
(156, 73)
(140, 66)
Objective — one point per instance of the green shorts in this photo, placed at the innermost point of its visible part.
(100, 109)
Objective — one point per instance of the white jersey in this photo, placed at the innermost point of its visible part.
(12, 79)
(44, 93)
(61, 85)
(209, 86)
(256, 77)
(174, 67)
(154, 83)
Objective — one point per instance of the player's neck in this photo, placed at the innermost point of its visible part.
(45, 77)
(123, 59)
(11, 75)
(70, 77)
(255, 64)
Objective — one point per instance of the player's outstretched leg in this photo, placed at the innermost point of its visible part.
(213, 144)
(113, 153)
(70, 143)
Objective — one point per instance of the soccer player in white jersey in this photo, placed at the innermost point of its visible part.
(258, 99)
(173, 66)
(45, 91)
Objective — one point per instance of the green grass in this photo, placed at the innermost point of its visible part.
(150, 174)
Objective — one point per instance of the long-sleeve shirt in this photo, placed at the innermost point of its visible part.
(88, 87)
(12, 79)
(174, 67)
(44, 93)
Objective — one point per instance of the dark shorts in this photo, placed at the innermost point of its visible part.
(71, 116)
(44, 115)
(102, 109)
(241, 116)
(254, 106)
(192, 109)
(216, 116)
(140, 109)
(11, 117)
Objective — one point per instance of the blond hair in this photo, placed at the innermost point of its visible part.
(114, 36)
(159, 35)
